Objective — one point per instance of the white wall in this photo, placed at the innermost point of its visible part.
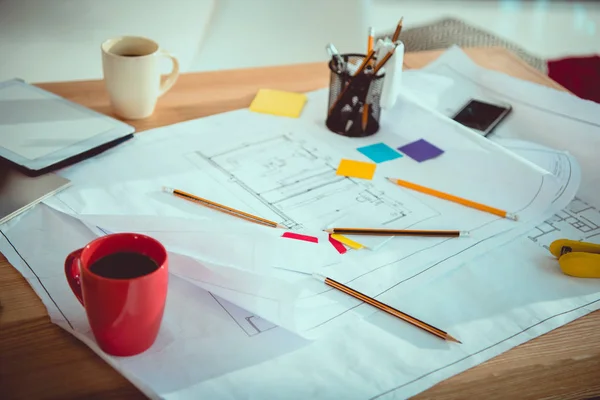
(44, 40)
(269, 32)
(53, 40)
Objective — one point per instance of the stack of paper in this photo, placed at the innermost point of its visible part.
(492, 290)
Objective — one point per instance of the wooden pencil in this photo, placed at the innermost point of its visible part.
(398, 30)
(385, 59)
(365, 114)
(396, 232)
(359, 71)
(220, 207)
(453, 198)
(385, 308)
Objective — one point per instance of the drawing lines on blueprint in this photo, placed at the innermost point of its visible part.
(299, 184)
(579, 221)
(250, 323)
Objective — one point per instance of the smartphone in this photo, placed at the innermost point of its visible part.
(482, 117)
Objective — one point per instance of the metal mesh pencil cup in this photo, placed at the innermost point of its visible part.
(346, 116)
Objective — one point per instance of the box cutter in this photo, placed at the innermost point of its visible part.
(578, 259)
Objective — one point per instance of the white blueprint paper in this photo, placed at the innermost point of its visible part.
(542, 115)
(208, 348)
(284, 170)
(202, 336)
(512, 294)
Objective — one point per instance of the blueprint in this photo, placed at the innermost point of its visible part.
(241, 352)
(197, 324)
(210, 347)
(296, 184)
(285, 171)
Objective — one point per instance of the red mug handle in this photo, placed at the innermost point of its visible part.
(72, 273)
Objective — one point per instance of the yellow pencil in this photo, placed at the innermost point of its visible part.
(360, 70)
(455, 199)
(365, 115)
(222, 208)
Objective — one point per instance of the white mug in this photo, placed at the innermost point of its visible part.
(131, 67)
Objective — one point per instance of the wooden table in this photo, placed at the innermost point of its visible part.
(40, 360)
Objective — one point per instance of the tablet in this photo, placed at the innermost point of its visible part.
(40, 131)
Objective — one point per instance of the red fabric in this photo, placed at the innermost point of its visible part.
(581, 75)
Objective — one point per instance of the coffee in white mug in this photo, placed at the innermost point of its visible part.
(131, 68)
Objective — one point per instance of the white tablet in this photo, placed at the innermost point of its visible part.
(40, 131)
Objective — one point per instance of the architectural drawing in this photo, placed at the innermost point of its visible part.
(250, 323)
(578, 221)
(299, 185)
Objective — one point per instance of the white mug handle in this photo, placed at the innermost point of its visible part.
(173, 75)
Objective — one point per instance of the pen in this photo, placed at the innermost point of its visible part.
(334, 54)
(358, 74)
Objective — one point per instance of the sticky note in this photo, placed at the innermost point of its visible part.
(277, 102)
(421, 150)
(356, 169)
(337, 245)
(297, 236)
(348, 242)
(379, 152)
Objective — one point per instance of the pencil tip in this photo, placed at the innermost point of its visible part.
(167, 189)
(281, 226)
(328, 230)
(452, 339)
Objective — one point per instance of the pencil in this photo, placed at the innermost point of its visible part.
(455, 199)
(222, 208)
(396, 232)
(385, 59)
(359, 71)
(370, 40)
(388, 309)
(365, 115)
(398, 30)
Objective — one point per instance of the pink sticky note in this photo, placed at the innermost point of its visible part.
(338, 245)
(297, 236)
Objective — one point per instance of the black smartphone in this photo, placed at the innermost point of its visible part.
(482, 117)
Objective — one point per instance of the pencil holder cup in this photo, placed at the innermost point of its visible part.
(354, 101)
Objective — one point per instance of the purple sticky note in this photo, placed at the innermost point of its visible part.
(421, 150)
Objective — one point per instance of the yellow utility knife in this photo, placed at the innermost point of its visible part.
(578, 259)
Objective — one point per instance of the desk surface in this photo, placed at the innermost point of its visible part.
(40, 360)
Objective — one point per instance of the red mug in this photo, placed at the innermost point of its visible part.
(124, 312)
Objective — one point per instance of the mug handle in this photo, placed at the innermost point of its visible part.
(72, 273)
(173, 75)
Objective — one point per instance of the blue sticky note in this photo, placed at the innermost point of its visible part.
(379, 152)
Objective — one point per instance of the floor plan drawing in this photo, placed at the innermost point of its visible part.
(578, 221)
(250, 323)
(299, 184)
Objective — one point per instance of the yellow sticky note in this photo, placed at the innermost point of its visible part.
(356, 169)
(277, 102)
(348, 242)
